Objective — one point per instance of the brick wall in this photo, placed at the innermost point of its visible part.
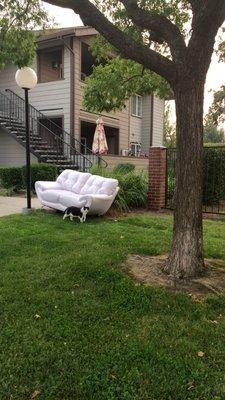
(157, 178)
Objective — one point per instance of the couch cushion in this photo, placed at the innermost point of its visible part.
(63, 176)
(99, 185)
(69, 199)
(81, 180)
(72, 180)
(52, 196)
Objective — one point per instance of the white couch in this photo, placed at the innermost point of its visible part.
(78, 189)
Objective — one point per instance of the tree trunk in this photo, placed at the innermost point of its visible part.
(186, 257)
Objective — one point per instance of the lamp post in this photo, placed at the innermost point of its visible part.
(26, 79)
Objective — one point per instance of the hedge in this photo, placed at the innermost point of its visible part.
(40, 172)
(213, 175)
(15, 177)
(11, 177)
(124, 168)
(133, 187)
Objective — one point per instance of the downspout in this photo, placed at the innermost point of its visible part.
(151, 120)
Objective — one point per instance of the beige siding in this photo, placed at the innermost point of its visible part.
(135, 129)
(119, 119)
(159, 106)
(140, 128)
(146, 124)
(11, 152)
(141, 164)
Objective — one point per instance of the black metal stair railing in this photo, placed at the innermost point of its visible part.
(35, 119)
(49, 146)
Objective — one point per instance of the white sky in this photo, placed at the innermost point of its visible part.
(216, 75)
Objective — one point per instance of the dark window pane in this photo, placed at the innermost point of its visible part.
(50, 65)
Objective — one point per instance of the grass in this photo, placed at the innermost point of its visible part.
(74, 327)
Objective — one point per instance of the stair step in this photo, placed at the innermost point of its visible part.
(37, 142)
(45, 147)
(68, 166)
(53, 157)
(47, 151)
(8, 120)
(21, 129)
(14, 126)
(55, 160)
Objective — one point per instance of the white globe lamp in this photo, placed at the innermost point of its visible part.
(26, 78)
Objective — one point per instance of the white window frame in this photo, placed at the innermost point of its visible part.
(137, 148)
(135, 106)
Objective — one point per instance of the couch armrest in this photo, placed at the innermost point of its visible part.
(90, 198)
(99, 203)
(47, 185)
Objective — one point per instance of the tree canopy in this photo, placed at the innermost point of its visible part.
(116, 78)
(153, 34)
(216, 114)
(169, 129)
(18, 19)
(213, 134)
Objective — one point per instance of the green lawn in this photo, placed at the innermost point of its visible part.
(73, 326)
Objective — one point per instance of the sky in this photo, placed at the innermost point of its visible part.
(216, 74)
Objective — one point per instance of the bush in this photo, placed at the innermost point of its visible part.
(124, 168)
(214, 175)
(15, 177)
(133, 187)
(11, 177)
(40, 172)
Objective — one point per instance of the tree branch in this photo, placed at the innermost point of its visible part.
(127, 46)
(208, 20)
(195, 5)
(160, 25)
(134, 77)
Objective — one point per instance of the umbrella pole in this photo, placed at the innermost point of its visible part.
(98, 153)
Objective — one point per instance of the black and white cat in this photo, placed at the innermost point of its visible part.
(74, 212)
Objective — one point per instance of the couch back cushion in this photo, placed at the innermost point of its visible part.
(73, 180)
(99, 185)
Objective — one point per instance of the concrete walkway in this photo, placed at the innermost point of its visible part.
(14, 205)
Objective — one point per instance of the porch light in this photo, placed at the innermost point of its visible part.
(55, 65)
(26, 79)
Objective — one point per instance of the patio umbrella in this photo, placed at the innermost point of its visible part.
(99, 145)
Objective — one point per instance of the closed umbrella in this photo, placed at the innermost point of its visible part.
(99, 145)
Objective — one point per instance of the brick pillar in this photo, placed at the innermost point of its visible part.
(157, 178)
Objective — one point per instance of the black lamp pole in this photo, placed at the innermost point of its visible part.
(28, 173)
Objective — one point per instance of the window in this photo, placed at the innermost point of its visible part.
(137, 105)
(50, 65)
(87, 61)
(135, 149)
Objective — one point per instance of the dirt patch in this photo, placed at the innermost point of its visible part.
(147, 270)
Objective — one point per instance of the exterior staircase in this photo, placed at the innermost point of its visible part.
(48, 141)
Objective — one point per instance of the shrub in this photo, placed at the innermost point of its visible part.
(124, 168)
(214, 175)
(40, 172)
(133, 187)
(15, 177)
(11, 178)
